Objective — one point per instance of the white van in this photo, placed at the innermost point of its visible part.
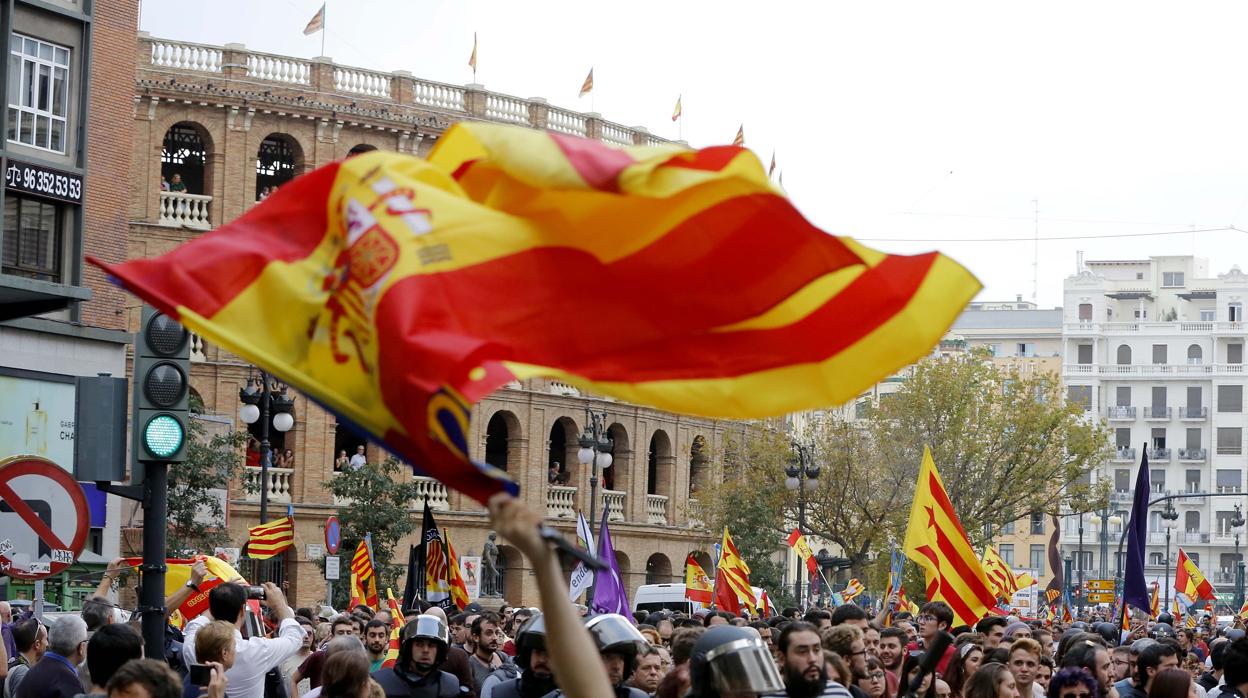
(657, 597)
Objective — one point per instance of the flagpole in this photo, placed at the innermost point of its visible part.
(324, 18)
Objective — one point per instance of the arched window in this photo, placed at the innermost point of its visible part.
(278, 160)
(561, 456)
(361, 148)
(659, 464)
(699, 465)
(501, 433)
(184, 159)
(1124, 355)
(658, 569)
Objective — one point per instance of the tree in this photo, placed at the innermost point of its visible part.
(213, 458)
(373, 499)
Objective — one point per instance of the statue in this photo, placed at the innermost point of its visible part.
(489, 569)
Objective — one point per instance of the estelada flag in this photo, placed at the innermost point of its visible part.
(698, 587)
(797, 541)
(459, 590)
(1190, 581)
(588, 85)
(396, 291)
(268, 539)
(178, 573)
(936, 541)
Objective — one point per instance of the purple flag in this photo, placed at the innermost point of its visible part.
(609, 593)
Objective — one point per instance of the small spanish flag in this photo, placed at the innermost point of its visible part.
(588, 85)
(472, 60)
(268, 539)
(676, 111)
(739, 141)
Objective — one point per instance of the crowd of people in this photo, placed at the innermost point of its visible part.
(557, 649)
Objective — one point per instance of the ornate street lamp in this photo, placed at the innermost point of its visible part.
(596, 446)
(261, 398)
(1170, 519)
(796, 475)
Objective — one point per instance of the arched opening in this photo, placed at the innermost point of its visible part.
(361, 148)
(625, 565)
(658, 569)
(659, 464)
(347, 443)
(195, 402)
(278, 161)
(184, 159)
(499, 432)
(616, 477)
(703, 559)
(1124, 355)
(1195, 354)
(699, 465)
(562, 452)
(510, 574)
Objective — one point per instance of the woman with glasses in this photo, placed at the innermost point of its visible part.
(874, 683)
(992, 681)
(1073, 682)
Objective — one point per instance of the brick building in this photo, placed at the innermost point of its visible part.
(66, 159)
(230, 123)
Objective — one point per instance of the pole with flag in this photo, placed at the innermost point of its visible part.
(609, 593)
(582, 576)
(676, 114)
(739, 140)
(587, 88)
(317, 24)
(771, 170)
(472, 60)
(1135, 587)
(436, 588)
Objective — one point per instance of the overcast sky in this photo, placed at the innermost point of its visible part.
(927, 122)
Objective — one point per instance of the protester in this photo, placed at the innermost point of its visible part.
(874, 683)
(1235, 669)
(1087, 651)
(935, 618)
(1153, 659)
(56, 674)
(313, 666)
(1124, 663)
(290, 666)
(1172, 683)
(340, 644)
(110, 647)
(151, 678)
(677, 681)
(648, 673)
(486, 640)
(1073, 682)
(1045, 673)
(802, 663)
(1024, 664)
(346, 676)
(31, 640)
(910, 671)
(377, 642)
(850, 614)
(846, 642)
(992, 681)
(214, 645)
(993, 630)
(964, 665)
(892, 649)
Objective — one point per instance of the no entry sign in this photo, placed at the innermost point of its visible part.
(43, 518)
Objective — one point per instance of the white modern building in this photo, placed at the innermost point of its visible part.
(1155, 348)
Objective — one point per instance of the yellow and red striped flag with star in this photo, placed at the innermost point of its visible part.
(459, 590)
(364, 575)
(396, 291)
(268, 539)
(936, 541)
(1000, 575)
(732, 579)
(396, 628)
(1243, 611)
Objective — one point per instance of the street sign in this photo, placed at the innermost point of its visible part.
(333, 536)
(43, 518)
(1099, 585)
(331, 567)
(1100, 597)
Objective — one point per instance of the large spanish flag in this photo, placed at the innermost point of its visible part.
(936, 541)
(396, 291)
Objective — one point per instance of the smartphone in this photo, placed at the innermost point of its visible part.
(255, 593)
(201, 674)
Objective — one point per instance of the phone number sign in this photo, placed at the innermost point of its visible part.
(42, 181)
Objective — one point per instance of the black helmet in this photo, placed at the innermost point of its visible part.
(1234, 634)
(1166, 618)
(428, 627)
(531, 636)
(1108, 631)
(613, 634)
(1079, 625)
(728, 659)
(1161, 630)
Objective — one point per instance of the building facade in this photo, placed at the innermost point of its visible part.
(66, 160)
(1155, 348)
(216, 127)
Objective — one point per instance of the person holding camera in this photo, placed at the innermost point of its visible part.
(253, 656)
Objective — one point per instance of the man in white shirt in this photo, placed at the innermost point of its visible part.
(254, 656)
(358, 460)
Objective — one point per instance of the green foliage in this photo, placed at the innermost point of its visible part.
(374, 499)
(196, 517)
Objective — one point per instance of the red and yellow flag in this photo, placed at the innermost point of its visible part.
(396, 291)
(1000, 575)
(732, 579)
(698, 587)
(178, 573)
(1190, 581)
(396, 628)
(739, 140)
(459, 590)
(853, 589)
(472, 60)
(1154, 606)
(677, 111)
(363, 575)
(588, 85)
(797, 541)
(268, 539)
(936, 541)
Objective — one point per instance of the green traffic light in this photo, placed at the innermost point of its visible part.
(163, 435)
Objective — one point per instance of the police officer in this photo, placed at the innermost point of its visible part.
(732, 662)
(416, 674)
(536, 678)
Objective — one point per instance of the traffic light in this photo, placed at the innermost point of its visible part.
(162, 372)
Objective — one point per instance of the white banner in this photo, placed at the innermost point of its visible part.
(582, 576)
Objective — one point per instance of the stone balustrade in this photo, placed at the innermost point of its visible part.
(281, 481)
(613, 501)
(236, 61)
(181, 210)
(656, 509)
(695, 514)
(432, 490)
(561, 502)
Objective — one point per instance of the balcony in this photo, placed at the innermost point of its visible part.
(561, 502)
(613, 502)
(1193, 454)
(1158, 454)
(695, 514)
(182, 210)
(1160, 412)
(281, 481)
(1125, 455)
(1087, 329)
(1180, 371)
(656, 509)
(1187, 413)
(1230, 450)
(429, 489)
(1120, 413)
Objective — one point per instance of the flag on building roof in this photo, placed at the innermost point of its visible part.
(472, 60)
(732, 579)
(936, 541)
(797, 541)
(317, 23)
(677, 112)
(1190, 581)
(268, 539)
(1135, 588)
(364, 575)
(698, 586)
(395, 291)
(739, 140)
(459, 590)
(610, 596)
(588, 85)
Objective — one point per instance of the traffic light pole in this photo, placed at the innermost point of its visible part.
(152, 593)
